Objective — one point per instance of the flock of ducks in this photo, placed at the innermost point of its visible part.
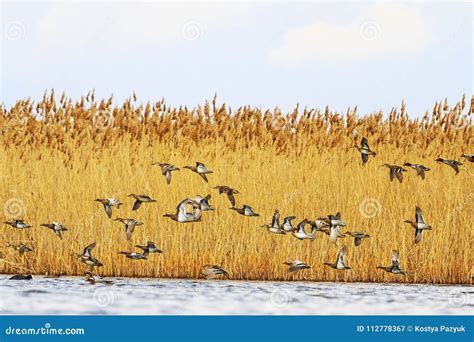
(191, 210)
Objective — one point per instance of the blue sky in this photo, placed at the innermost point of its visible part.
(264, 54)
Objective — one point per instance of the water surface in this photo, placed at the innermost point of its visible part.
(132, 296)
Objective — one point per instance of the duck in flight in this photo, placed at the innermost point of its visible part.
(166, 170)
(224, 189)
(108, 203)
(246, 210)
(395, 267)
(139, 199)
(130, 225)
(150, 247)
(200, 169)
(274, 227)
(213, 271)
(133, 255)
(454, 164)
(365, 150)
(204, 202)
(419, 224)
(358, 237)
(87, 258)
(395, 172)
(21, 248)
(183, 215)
(296, 265)
(287, 225)
(20, 224)
(340, 263)
(300, 233)
(56, 227)
(331, 225)
(420, 169)
(469, 157)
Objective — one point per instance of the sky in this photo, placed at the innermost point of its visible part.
(266, 54)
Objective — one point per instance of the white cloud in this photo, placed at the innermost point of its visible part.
(127, 25)
(382, 29)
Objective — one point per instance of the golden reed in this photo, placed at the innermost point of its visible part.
(57, 156)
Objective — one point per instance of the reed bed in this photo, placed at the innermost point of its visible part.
(58, 155)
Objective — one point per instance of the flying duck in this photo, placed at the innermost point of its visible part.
(56, 227)
(166, 170)
(358, 237)
(296, 265)
(395, 267)
(139, 199)
(204, 202)
(224, 189)
(450, 162)
(246, 210)
(182, 215)
(287, 224)
(108, 204)
(133, 255)
(213, 271)
(395, 171)
(420, 169)
(20, 224)
(274, 227)
(130, 225)
(21, 248)
(365, 150)
(340, 263)
(419, 225)
(87, 258)
(299, 232)
(150, 247)
(200, 169)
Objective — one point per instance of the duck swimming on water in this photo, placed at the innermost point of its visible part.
(213, 271)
